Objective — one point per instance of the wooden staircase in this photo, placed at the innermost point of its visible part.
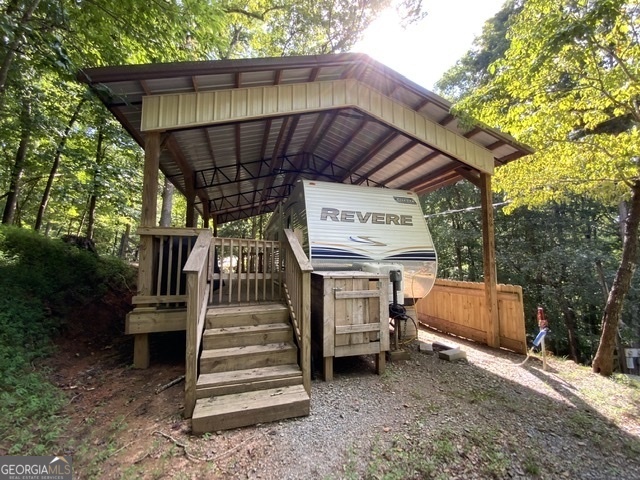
(249, 369)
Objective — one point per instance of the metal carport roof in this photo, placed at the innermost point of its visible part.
(239, 133)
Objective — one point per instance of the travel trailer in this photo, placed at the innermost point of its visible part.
(351, 227)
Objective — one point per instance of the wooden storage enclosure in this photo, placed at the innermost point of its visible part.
(349, 316)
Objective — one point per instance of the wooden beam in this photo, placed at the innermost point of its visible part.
(313, 134)
(423, 103)
(489, 257)
(447, 120)
(314, 74)
(150, 179)
(332, 118)
(350, 138)
(206, 214)
(238, 145)
(473, 132)
(190, 193)
(508, 158)
(263, 149)
(210, 147)
(437, 185)
(495, 145)
(433, 176)
(469, 175)
(141, 350)
(145, 87)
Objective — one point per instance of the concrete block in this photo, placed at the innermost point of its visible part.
(452, 355)
(398, 355)
(426, 347)
(438, 347)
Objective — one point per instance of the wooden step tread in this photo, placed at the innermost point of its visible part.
(266, 327)
(249, 408)
(246, 350)
(246, 309)
(249, 375)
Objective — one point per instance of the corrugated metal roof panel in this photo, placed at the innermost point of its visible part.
(325, 144)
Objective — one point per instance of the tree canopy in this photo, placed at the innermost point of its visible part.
(66, 166)
(568, 85)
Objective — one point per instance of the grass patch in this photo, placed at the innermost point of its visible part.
(421, 454)
(626, 380)
(40, 280)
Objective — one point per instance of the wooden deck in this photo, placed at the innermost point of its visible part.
(171, 317)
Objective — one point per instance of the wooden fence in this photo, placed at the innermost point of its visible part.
(459, 308)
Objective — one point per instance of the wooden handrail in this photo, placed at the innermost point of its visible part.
(301, 258)
(297, 288)
(197, 270)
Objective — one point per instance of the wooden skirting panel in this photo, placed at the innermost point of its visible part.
(152, 320)
(459, 308)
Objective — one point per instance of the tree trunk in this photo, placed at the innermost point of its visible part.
(605, 289)
(83, 218)
(603, 361)
(56, 164)
(124, 242)
(458, 249)
(94, 194)
(14, 45)
(570, 323)
(18, 166)
(623, 214)
(167, 203)
(473, 275)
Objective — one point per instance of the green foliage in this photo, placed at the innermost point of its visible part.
(40, 280)
(248, 228)
(259, 28)
(568, 85)
(473, 69)
(456, 230)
